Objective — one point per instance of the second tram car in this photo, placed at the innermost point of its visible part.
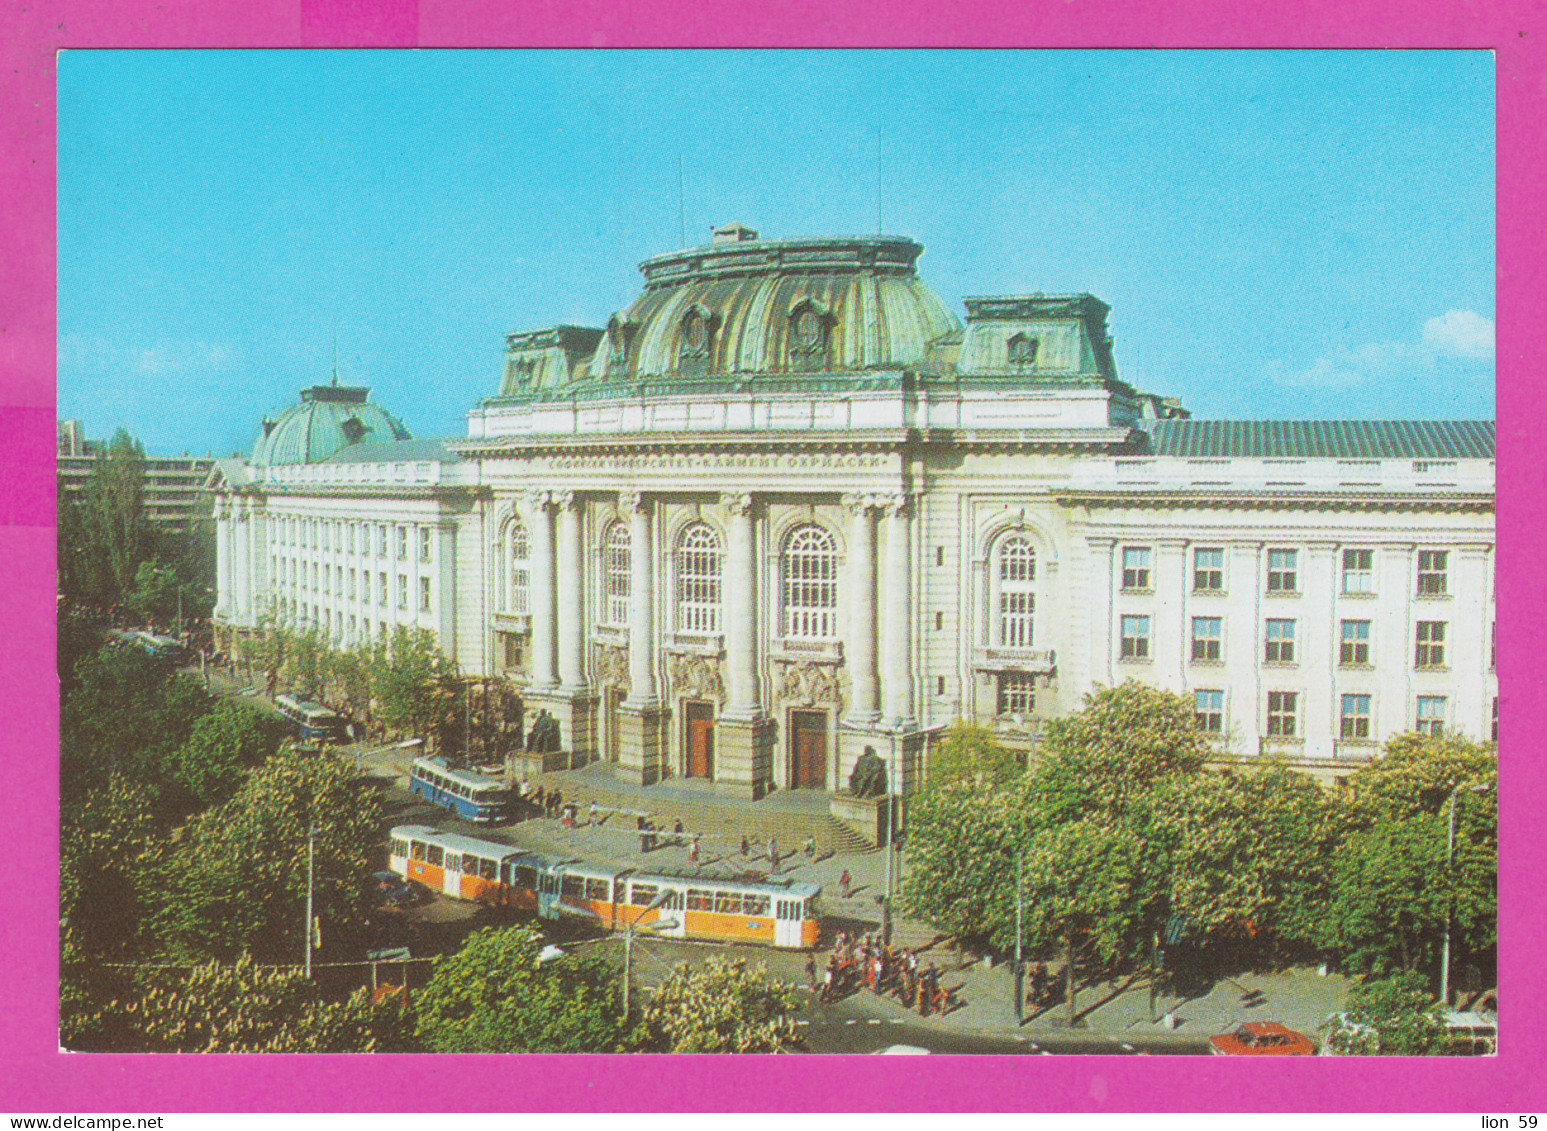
(780, 913)
(480, 798)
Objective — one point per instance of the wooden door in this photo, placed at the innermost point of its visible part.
(700, 721)
(614, 721)
(808, 749)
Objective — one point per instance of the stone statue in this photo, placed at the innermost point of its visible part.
(543, 735)
(869, 776)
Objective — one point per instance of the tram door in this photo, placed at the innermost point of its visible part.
(786, 922)
(453, 870)
(808, 749)
(700, 725)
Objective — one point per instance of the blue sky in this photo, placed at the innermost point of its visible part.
(1279, 234)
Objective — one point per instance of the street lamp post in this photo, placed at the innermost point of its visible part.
(628, 941)
(1450, 849)
(1020, 997)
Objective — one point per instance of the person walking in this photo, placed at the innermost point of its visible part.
(693, 850)
(773, 853)
(845, 881)
(746, 849)
(811, 848)
(811, 971)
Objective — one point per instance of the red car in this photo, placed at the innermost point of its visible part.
(1262, 1038)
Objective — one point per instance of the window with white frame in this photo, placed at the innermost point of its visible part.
(1493, 730)
(1280, 642)
(698, 579)
(402, 543)
(520, 550)
(810, 567)
(1433, 565)
(349, 546)
(1135, 638)
(1208, 570)
(1017, 693)
(424, 594)
(1430, 650)
(381, 588)
(1358, 571)
(402, 590)
(1017, 593)
(1283, 571)
(615, 552)
(1206, 638)
(426, 536)
(350, 592)
(1136, 567)
(1354, 646)
(1283, 707)
(1431, 714)
(1209, 710)
(1355, 719)
(381, 540)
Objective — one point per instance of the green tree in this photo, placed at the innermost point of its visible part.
(111, 868)
(240, 1008)
(411, 682)
(726, 1007)
(268, 650)
(961, 850)
(155, 594)
(241, 866)
(222, 747)
(1393, 1016)
(494, 995)
(116, 530)
(968, 753)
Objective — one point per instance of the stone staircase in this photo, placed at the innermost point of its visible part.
(719, 821)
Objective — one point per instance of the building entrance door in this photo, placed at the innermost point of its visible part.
(700, 724)
(614, 732)
(808, 749)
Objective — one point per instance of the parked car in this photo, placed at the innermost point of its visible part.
(1262, 1038)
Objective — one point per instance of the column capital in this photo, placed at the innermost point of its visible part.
(534, 500)
(896, 505)
(738, 503)
(563, 499)
(632, 501)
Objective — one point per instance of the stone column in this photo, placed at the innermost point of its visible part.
(898, 702)
(540, 523)
(860, 648)
(567, 590)
(241, 575)
(641, 602)
(740, 620)
(223, 607)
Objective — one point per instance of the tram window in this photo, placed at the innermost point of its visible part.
(643, 894)
(597, 889)
(809, 911)
(437, 854)
(488, 869)
(619, 891)
(399, 847)
(469, 863)
(728, 902)
(526, 877)
(573, 886)
(700, 900)
(418, 850)
(754, 904)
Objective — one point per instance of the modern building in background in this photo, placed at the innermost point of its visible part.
(173, 495)
(788, 505)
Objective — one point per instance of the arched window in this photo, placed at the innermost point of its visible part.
(810, 584)
(615, 550)
(520, 596)
(698, 580)
(1017, 578)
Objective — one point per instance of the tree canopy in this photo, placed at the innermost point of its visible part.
(728, 1006)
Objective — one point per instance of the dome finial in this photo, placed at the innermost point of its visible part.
(335, 357)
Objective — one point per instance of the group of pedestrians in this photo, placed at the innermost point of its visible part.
(864, 961)
(548, 803)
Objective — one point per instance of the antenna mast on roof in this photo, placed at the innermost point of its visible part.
(335, 357)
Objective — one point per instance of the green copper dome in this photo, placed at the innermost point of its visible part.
(329, 419)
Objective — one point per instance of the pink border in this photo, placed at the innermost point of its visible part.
(37, 1078)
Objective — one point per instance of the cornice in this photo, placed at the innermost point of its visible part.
(1214, 499)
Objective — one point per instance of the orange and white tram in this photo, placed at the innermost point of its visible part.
(781, 913)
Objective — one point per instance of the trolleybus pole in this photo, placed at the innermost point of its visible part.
(311, 837)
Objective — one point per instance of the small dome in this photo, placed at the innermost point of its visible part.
(749, 306)
(328, 419)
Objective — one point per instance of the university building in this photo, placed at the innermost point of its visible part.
(788, 505)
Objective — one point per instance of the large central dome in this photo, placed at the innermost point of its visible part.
(744, 305)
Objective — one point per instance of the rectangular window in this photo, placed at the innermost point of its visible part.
(1430, 652)
(1282, 706)
(1208, 571)
(1209, 711)
(939, 685)
(1136, 567)
(1493, 733)
(351, 590)
(381, 588)
(940, 555)
(1017, 693)
(402, 591)
(424, 594)
(1136, 638)
(1017, 610)
(1354, 649)
(402, 543)
(381, 540)
(1358, 571)
(424, 543)
(939, 621)
(1356, 716)
(349, 537)
(1206, 638)
(1431, 714)
(1281, 642)
(1432, 567)
(1283, 566)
